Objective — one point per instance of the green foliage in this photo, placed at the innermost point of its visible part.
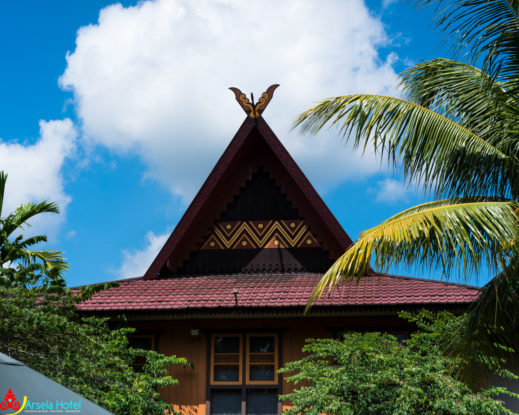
(41, 328)
(40, 325)
(454, 131)
(372, 374)
(19, 264)
(453, 234)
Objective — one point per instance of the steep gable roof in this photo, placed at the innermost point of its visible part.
(255, 144)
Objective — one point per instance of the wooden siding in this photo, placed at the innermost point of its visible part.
(189, 397)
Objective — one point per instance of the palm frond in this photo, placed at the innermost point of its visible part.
(3, 180)
(483, 30)
(31, 241)
(53, 260)
(490, 334)
(445, 156)
(465, 94)
(456, 234)
(25, 212)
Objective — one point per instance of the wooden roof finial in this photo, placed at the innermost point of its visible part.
(254, 110)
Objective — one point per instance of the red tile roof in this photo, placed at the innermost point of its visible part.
(273, 291)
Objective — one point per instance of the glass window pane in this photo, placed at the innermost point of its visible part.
(226, 344)
(261, 344)
(261, 372)
(226, 373)
(226, 402)
(262, 402)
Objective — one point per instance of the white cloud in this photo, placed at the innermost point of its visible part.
(152, 79)
(136, 262)
(34, 171)
(391, 191)
(387, 3)
(71, 234)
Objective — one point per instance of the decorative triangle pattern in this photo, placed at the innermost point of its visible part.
(275, 242)
(308, 241)
(260, 234)
(243, 242)
(212, 243)
(260, 226)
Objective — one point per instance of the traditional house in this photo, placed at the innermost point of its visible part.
(229, 287)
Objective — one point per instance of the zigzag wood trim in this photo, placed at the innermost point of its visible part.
(267, 234)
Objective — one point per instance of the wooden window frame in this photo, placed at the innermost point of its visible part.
(240, 359)
(275, 359)
(244, 387)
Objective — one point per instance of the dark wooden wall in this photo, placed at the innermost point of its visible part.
(189, 397)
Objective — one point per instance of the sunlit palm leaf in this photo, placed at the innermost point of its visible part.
(457, 234)
(53, 260)
(443, 155)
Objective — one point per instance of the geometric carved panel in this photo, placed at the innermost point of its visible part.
(256, 234)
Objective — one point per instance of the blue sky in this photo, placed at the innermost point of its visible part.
(118, 112)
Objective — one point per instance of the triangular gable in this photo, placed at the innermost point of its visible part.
(254, 144)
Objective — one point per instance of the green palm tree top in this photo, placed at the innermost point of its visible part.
(20, 264)
(456, 132)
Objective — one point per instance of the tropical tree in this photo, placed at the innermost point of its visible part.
(19, 264)
(374, 374)
(40, 325)
(455, 131)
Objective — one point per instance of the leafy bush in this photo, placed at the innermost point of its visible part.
(372, 373)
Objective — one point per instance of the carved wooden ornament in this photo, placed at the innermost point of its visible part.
(254, 110)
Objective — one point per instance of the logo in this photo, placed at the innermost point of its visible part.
(10, 406)
(10, 402)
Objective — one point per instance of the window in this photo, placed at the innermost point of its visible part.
(141, 341)
(243, 374)
(261, 359)
(225, 360)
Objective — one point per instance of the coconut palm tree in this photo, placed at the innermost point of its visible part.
(455, 130)
(19, 264)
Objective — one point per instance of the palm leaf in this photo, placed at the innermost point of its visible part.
(482, 28)
(491, 332)
(3, 180)
(456, 234)
(52, 260)
(462, 93)
(23, 213)
(445, 156)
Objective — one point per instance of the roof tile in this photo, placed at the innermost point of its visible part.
(273, 291)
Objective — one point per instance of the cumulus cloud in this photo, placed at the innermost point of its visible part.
(151, 80)
(136, 262)
(391, 191)
(35, 171)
